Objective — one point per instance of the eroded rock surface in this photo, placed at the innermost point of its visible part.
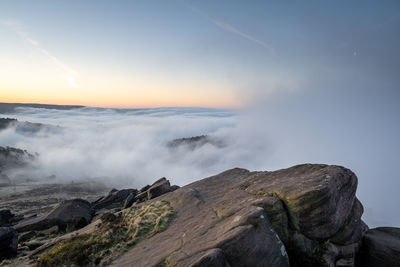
(293, 212)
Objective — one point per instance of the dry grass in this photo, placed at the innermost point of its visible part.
(114, 236)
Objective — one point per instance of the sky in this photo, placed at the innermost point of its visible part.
(313, 81)
(193, 53)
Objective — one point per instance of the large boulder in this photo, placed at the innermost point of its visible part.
(319, 198)
(68, 215)
(115, 198)
(380, 247)
(309, 212)
(323, 216)
(8, 242)
(158, 188)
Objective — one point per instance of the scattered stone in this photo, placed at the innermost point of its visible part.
(50, 231)
(5, 217)
(26, 236)
(32, 245)
(8, 242)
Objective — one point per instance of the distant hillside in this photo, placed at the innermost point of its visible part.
(25, 127)
(195, 142)
(10, 107)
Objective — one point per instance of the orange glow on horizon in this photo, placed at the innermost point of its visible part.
(35, 82)
(117, 103)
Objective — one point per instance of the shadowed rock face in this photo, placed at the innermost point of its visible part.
(8, 242)
(380, 247)
(258, 218)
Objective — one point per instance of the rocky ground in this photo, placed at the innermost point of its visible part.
(306, 215)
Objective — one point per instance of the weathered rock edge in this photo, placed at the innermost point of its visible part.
(241, 218)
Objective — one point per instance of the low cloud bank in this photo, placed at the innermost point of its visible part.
(129, 148)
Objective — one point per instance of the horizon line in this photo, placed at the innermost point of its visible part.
(114, 107)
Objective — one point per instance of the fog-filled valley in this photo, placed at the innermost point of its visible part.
(133, 147)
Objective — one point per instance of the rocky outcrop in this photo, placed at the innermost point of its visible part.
(68, 215)
(8, 242)
(380, 247)
(307, 214)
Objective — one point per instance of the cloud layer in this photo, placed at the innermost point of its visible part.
(128, 148)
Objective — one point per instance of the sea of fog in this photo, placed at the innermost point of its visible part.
(129, 148)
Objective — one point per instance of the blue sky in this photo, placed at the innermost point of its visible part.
(202, 53)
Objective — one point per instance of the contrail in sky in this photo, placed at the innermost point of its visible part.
(232, 29)
(69, 74)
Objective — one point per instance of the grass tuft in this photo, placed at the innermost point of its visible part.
(114, 236)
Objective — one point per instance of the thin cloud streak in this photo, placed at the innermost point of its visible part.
(69, 74)
(231, 29)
